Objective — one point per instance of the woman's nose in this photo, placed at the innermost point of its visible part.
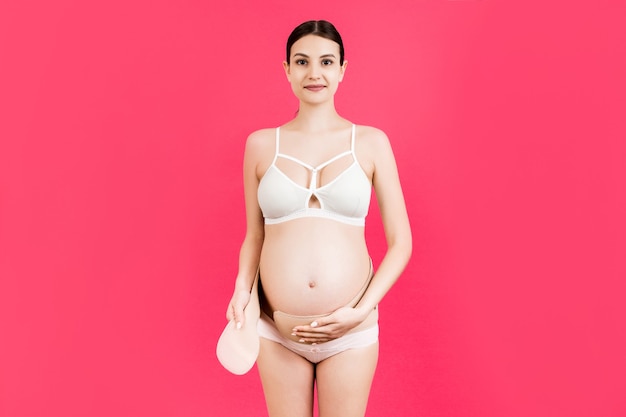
(314, 71)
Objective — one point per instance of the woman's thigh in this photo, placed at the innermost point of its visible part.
(344, 381)
(287, 380)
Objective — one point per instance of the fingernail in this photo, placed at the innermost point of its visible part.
(238, 325)
(301, 340)
(293, 334)
(313, 344)
(314, 324)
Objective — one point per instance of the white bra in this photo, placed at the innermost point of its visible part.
(345, 199)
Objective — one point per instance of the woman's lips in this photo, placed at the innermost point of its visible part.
(314, 87)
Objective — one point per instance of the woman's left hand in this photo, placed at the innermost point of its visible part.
(333, 326)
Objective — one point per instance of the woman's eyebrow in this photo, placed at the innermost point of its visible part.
(306, 56)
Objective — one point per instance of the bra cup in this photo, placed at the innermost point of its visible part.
(349, 195)
(278, 197)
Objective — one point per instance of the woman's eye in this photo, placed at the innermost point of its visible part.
(327, 62)
(301, 62)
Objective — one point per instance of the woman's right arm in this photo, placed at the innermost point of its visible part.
(250, 252)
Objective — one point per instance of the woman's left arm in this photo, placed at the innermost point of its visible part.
(395, 222)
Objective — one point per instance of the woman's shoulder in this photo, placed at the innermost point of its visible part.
(262, 134)
(261, 139)
(371, 136)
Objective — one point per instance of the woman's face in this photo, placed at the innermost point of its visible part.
(314, 71)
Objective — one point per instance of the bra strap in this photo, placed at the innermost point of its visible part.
(277, 145)
(353, 136)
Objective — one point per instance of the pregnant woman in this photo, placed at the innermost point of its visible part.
(307, 188)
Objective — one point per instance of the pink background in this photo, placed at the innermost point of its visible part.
(122, 127)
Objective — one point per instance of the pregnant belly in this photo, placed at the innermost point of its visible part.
(312, 266)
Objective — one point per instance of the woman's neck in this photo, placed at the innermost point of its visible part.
(318, 117)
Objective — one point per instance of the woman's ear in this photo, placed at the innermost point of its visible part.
(286, 68)
(343, 70)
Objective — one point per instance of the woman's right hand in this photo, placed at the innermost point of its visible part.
(237, 303)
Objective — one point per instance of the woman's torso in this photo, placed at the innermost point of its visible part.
(313, 265)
